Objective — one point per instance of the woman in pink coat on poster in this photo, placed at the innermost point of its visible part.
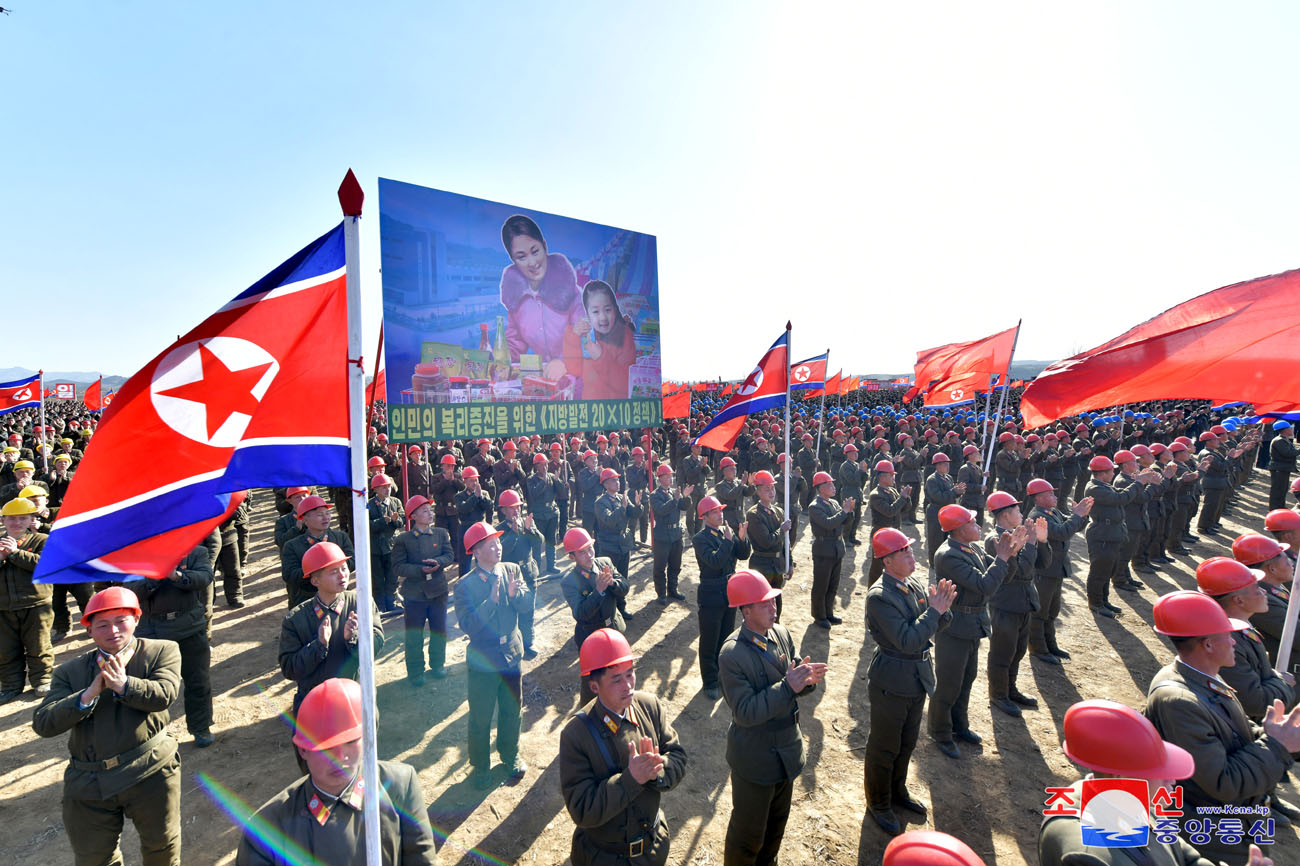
(540, 294)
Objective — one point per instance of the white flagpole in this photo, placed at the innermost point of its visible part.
(788, 458)
(821, 412)
(1002, 402)
(40, 391)
(1288, 627)
(351, 198)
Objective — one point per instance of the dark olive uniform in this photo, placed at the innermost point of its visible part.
(301, 818)
(825, 518)
(888, 506)
(25, 618)
(472, 506)
(908, 465)
(956, 651)
(1106, 536)
(767, 545)
(589, 490)
(1270, 623)
(308, 662)
(849, 482)
(1236, 762)
(424, 596)
(765, 748)
(1253, 678)
(172, 609)
(902, 624)
(123, 760)
(544, 494)
(731, 493)
(666, 538)
(616, 517)
(593, 610)
(443, 495)
(1048, 578)
(717, 556)
(1011, 608)
(940, 490)
(1281, 466)
(972, 499)
(524, 548)
(1216, 484)
(618, 819)
(386, 520)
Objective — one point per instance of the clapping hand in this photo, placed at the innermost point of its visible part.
(605, 578)
(942, 595)
(959, 487)
(744, 531)
(1283, 726)
(350, 627)
(644, 761)
(1040, 530)
(1083, 506)
(325, 630)
(114, 674)
(805, 674)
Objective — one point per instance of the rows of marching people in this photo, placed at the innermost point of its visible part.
(475, 527)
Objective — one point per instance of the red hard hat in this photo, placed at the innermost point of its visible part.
(577, 539)
(707, 504)
(953, 516)
(509, 497)
(1032, 438)
(1140, 450)
(509, 445)
(929, 431)
(821, 478)
(887, 541)
(415, 449)
(762, 478)
(1220, 575)
(1177, 447)
(1109, 737)
(480, 531)
(448, 460)
(749, 587)
(941, 458)
(380, 480)
(603, 648)
(1000, 499)
(1185, 440)
(725, 462)
(556, 446)
(1281, 519)
(663, 469)
(113, 598)
(294, 491)
(539, 457)
(780, 459)
(329, 716)
(1157, 448)
(808, 437)
(415, 502)
(1100, 463)
(1207, 436)
(608, 475)
(1080, 428)
(1252, 549)
(1188, 613)
(929, 848)
(322, 555)
(1295, 486)
(969, 450)
(1124, 456)
(850, 447)
(376, 462)
(1037, 486)
(638, 451)
(878, 441)
(1006, 437)
(310, 503)
(382, 437)
(589, 454)
(968, 431)
(469, 472)
(884, 466)
(602, 438)
(1219, 430)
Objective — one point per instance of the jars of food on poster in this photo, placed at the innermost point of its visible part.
(458, 389)
(480, 390)
(428, 384)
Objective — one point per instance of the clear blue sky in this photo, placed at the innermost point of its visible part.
(889, 176)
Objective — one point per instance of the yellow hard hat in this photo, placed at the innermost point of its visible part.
(32, 490)
(18, 507)
(9, 449)
(25, 464)
(65, 439)
(66, 458)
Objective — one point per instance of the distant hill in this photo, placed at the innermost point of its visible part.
(54, 377)
(1028, 369)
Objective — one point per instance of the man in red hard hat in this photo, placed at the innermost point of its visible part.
(318, 638)
(386, 520)
(717, 551)
(731, 491)
(1013, 603)
(667, 503)
(324, 810)
(1236, 763)
(1216, 481)
(1049, 578)
(489, 601)
(473, 505)
(421, 558)
(114, 699)
(522, 543)
(1271, 559)
(762, 680)
(767, 530)
(591, 587)
(618, 755)
(693, 472)
(1178, 533)
(826, 518)
(977, 575)
(1114, 741)
(442, 493)
(288, 525)
(314, 513)
(888, 505)
(940, 491)
(616, 517)
(1107, 533)
(850, 479)
(26, 611)
(1284, 525)
(903, 617)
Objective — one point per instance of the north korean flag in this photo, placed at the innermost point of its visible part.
(762, 389)
(809, 374)
(255, 396)
(19, 394)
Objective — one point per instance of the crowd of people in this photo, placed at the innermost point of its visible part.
(474, 526)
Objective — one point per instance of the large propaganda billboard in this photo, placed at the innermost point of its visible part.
(502, 321)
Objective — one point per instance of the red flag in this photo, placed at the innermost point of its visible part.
(851, 384)
(678, 405)
(670, 388)
(1233, 344)
(91, 398)
(951, 374)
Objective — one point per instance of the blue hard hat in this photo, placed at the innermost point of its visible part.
(1128, 413)
(1281, 425)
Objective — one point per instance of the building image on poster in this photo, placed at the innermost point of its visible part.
(501, 321)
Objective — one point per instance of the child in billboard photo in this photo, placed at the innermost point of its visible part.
(540, 293)
(603, 343)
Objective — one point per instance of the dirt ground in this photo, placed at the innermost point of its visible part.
(992, 798)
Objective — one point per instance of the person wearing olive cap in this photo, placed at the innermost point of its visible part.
(323, 812)
(1114, 741)
(1281, 463)
(903, 617)
(618, 755)
(1236, 762)
(114, 699)
(489, 602)
(25, 608)
(318, 638)
(977, 575)
(762, 679)
(1269, 557)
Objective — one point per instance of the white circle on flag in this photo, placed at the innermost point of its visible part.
(956, 393)
(752, 384)
(23, 394)
(802, 373)
(188, 415)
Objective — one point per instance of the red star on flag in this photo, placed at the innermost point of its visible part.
(222, 391)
